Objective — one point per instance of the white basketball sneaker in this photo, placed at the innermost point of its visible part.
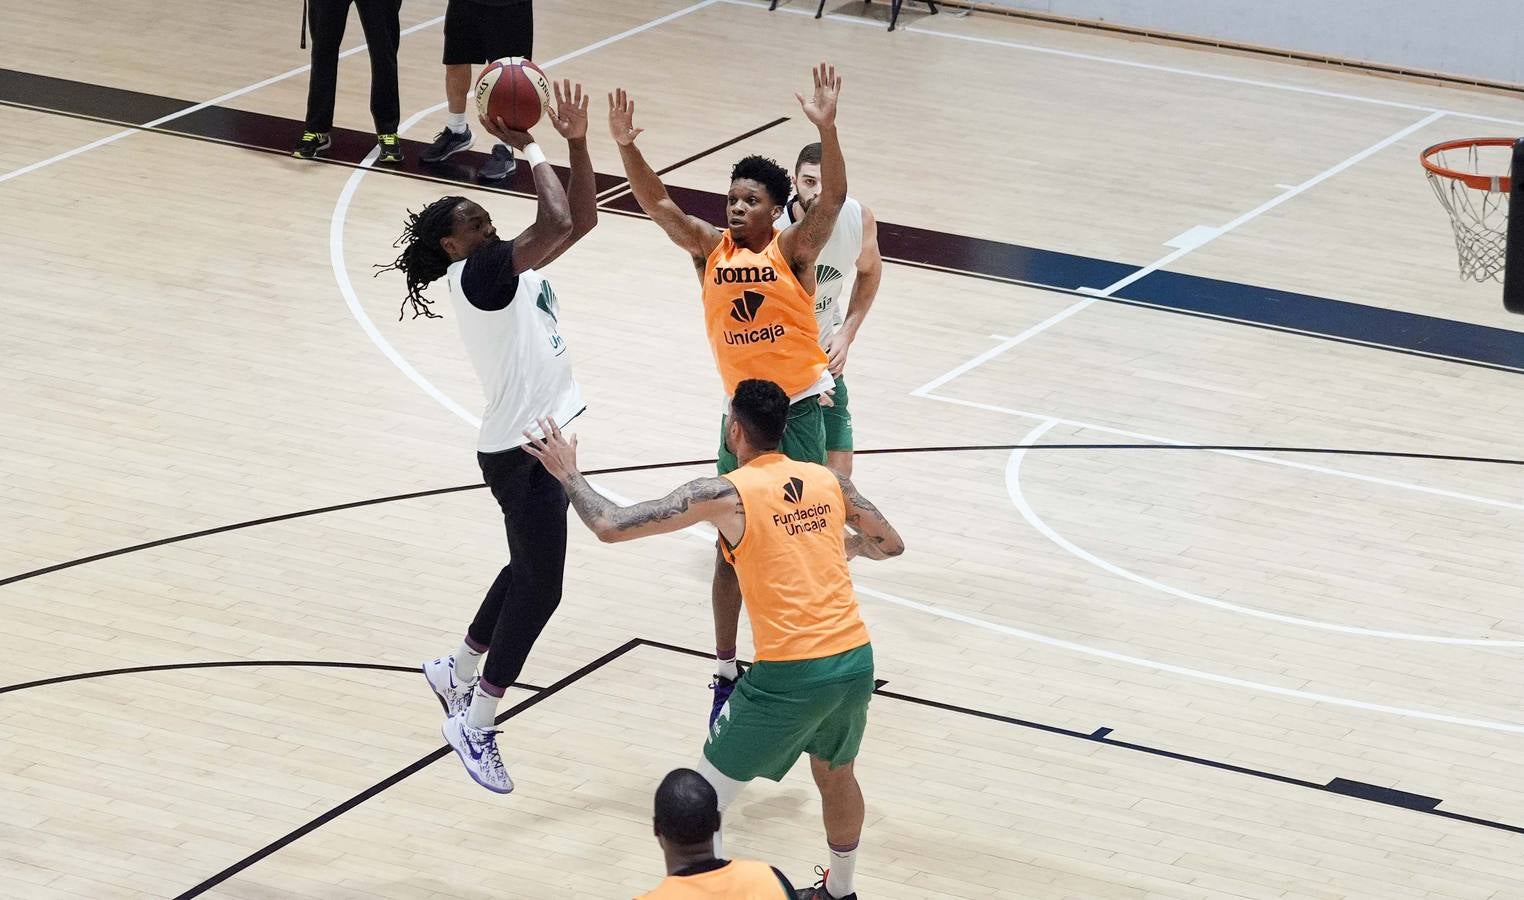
(454, 695)
(477, 749)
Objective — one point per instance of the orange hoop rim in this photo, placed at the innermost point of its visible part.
(1492, 183)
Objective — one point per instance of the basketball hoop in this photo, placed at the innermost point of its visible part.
(1462, 175)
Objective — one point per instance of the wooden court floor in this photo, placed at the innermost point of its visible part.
(1142, 643)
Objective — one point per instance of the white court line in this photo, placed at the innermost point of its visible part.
(1275, 201)
(1013, 487)
(1132, 64)
(926, 389)
(1205, 236)
(1240, 454)
(1172, 669)
(112, 138)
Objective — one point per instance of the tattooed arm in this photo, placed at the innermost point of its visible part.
(712, 500)
(870, 535)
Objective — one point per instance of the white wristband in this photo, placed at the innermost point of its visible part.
(534, 154)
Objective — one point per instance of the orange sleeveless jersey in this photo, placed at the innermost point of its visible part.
(738, 880)
(761, 321)
(791, 561)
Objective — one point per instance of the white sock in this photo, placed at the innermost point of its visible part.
(726, 789)
(839, 874)
(483, 709)
(465, 663)
(456, 122)
(726, 667)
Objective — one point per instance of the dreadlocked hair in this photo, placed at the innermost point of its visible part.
(422, 259)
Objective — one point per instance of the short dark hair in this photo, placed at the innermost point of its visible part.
(810, 154)
(766, 172)
(687, 808)
(761, 409)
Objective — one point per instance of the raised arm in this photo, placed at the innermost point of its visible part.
(570, 120)
(802, 241)
(712, 500)
(552, 222)
(694, 235)
(873, 536)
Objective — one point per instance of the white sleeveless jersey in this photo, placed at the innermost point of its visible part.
(521, 359)
(837, 261)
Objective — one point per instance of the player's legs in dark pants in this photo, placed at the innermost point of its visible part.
(326, 20)
(527, 590)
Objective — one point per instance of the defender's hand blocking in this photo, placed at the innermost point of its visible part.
(555, 452)
(499, 129)
(570, 115)
(622, 119)
(820, 108)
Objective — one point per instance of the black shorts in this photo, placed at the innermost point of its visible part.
(476, 32)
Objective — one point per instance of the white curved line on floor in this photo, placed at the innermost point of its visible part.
(1240, 454)
(1197, 674)
(1013, 487)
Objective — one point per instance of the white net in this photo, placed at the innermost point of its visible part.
(1479, 217)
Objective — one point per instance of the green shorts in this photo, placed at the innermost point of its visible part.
(838, 419)
(782, 709)
(804, 438)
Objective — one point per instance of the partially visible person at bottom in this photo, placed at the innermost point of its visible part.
(383, 33)
(789, 528)
(686, 821)
(477, 32)
(507, 314)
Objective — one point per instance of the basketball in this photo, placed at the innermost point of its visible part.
(514, 90)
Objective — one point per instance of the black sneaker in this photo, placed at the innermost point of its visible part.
(391, 149)
(446, 144)
(311, 144)
(723, 687)
(499, 165)
(818, 892)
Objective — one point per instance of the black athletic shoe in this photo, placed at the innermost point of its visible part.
(446, 144)
(500, 164)
(311, 144)
(723, 687)
(818, 892)
(391, 148)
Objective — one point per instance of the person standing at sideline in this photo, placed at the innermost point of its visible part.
(383, 33)
(477, 32)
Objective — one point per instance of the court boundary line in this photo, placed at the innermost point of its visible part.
(229, 664)
(686, 463)
(1139, 302)
(195, 108)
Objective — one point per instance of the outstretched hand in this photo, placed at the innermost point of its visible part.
(569, 117)
(622, 118)
(820, 108)
(553, 450)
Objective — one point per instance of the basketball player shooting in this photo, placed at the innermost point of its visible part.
(507, 313)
